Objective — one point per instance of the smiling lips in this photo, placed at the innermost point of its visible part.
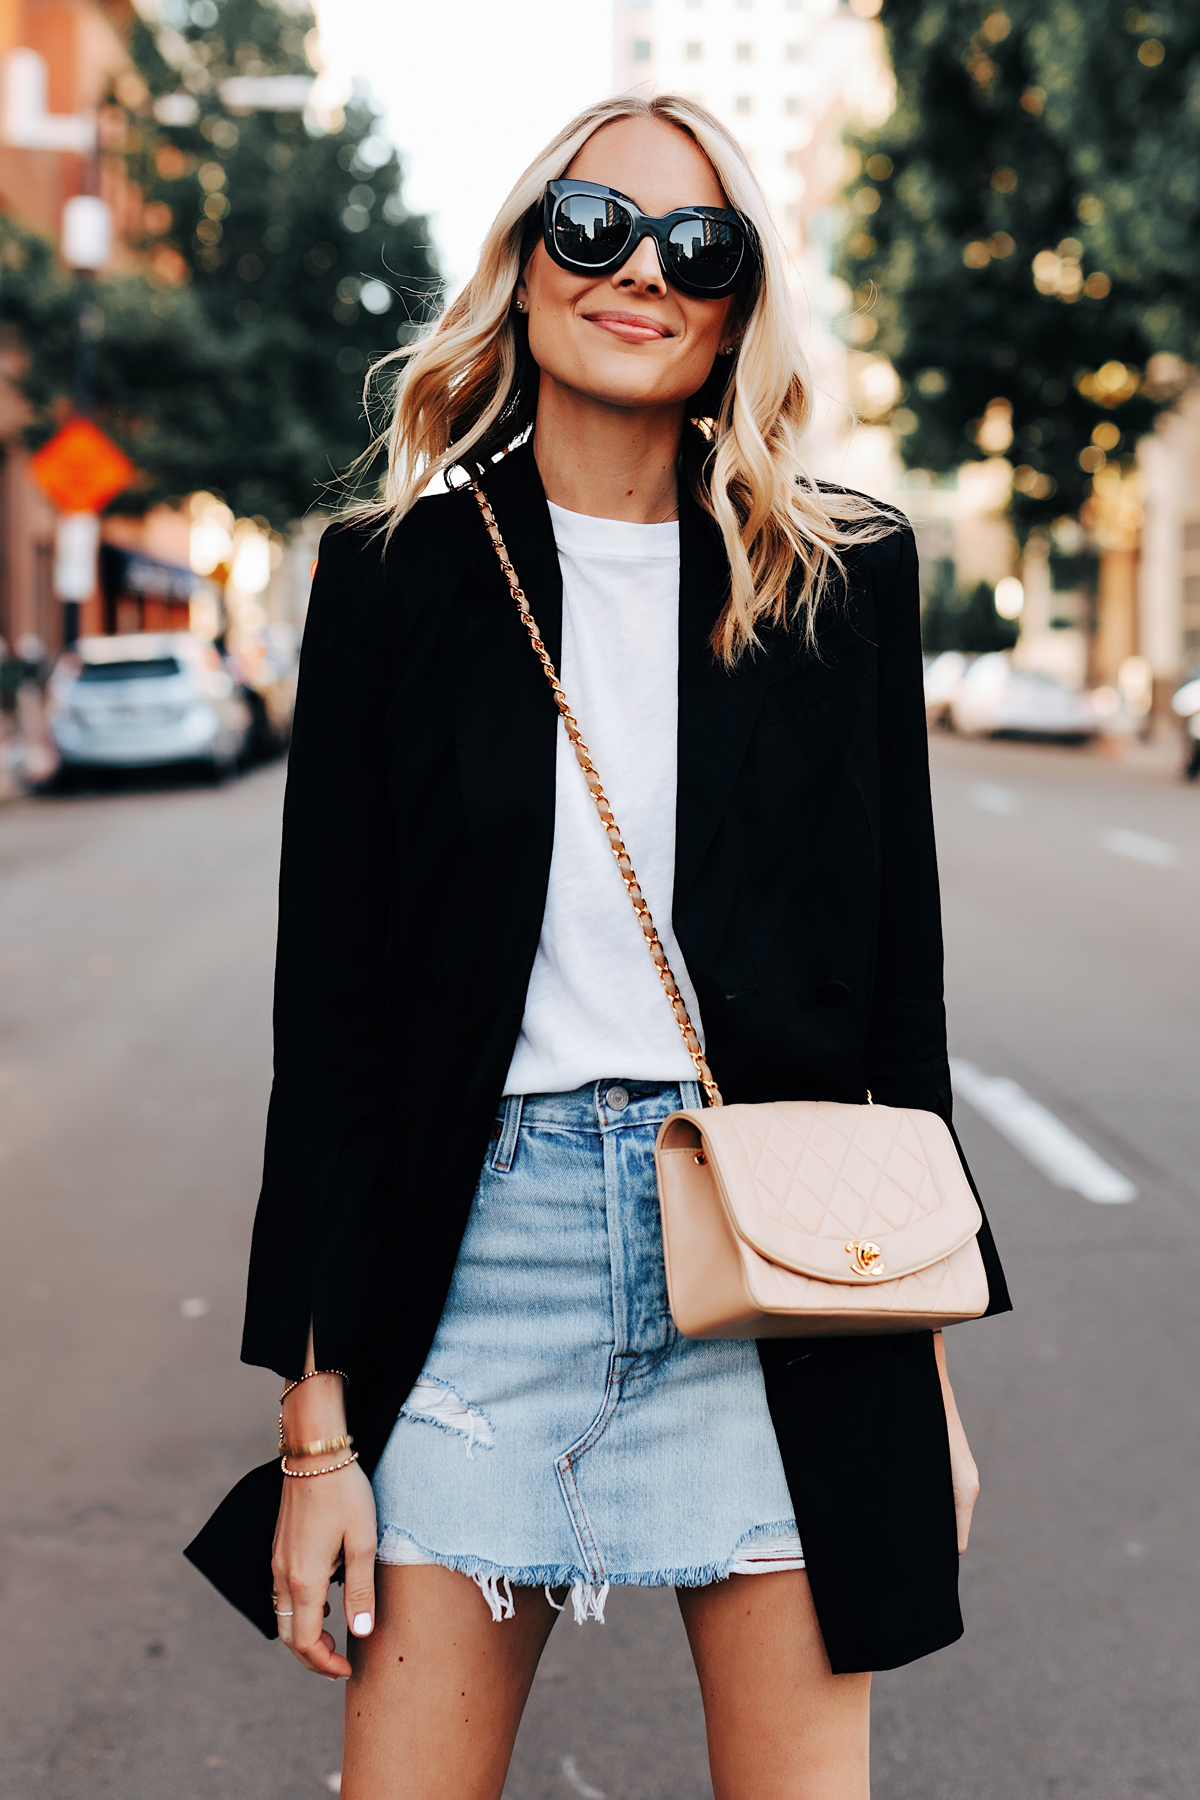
(632, 328)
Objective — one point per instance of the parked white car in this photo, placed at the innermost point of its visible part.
(1185, 704)
(146, 698)
(993, 697)
(942, 675)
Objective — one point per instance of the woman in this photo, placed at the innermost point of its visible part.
(462, 986)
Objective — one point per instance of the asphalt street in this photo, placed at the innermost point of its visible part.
(135, 961)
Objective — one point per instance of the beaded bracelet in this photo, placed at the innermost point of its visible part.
(299, 1382)
(308, 1474)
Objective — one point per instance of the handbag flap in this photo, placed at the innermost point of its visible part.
(806, 1182)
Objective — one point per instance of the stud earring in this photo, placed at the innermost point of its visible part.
(520, 306)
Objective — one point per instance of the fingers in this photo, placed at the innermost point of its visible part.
(284, 1611)
(301, 1609)
(360, 1586)
(310, 1642)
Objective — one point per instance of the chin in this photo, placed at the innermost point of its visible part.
(630, 387)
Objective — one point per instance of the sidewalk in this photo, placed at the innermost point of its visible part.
(1160, 757)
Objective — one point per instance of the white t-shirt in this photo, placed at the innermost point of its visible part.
(595, 1007)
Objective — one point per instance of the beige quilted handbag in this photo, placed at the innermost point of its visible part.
(794, 1218)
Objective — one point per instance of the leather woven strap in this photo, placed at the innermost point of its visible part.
(583, 757)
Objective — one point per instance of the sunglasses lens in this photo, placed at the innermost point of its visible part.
(706, 252)
(590, 230)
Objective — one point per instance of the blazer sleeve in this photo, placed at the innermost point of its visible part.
(327, 1128)
(905, 1056)
(906, 1061)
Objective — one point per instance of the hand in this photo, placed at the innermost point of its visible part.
(964, 1474)
(322, 1521)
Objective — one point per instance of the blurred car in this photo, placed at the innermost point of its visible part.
(993, 698)
(264, 662)
(1185, 704)
(148, 698)
(942, 675)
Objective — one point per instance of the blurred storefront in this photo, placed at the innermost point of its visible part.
(1168, 596)
(58, 59)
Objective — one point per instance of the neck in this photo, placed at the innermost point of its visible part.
(612, 462)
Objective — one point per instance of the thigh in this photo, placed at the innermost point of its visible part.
(780, 1725)
(438, 1689)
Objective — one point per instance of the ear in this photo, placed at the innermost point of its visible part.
(521, 294)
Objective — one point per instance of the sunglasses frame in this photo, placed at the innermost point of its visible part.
(648, 225)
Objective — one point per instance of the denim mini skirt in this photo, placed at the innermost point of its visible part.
(562, 1433)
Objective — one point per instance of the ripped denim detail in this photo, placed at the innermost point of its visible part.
(587, 1600)
(434, 1402)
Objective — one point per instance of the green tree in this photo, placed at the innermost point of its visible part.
(281, 262)
(954, 618)
(1027, 232)
(296, 244)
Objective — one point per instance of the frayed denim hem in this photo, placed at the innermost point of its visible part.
(587, 1596)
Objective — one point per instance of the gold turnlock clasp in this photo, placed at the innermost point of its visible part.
(865, 1257)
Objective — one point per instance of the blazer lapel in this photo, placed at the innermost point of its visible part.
(717, 707)
(506, 723)
(518, 500)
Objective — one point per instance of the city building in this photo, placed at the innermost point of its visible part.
(1168, 574)
(58, 59)
(788, 77)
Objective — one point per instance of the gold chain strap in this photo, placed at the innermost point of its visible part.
(583, 757)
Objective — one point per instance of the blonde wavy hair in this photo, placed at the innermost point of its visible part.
(468, 390)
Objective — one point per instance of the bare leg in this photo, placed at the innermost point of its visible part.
(780, 1725)
(438, 1689)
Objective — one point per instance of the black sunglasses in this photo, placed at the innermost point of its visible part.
(707, 251)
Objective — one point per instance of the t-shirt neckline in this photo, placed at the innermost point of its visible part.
(582, 534)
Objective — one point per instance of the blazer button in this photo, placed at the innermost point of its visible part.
(833, 993)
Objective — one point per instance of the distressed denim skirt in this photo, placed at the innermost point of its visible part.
(562, 1433)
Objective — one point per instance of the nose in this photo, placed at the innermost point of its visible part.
(641, 272)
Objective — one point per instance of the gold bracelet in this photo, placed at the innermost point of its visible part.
(307, 1474)
(322, 1447)
(293, 1385)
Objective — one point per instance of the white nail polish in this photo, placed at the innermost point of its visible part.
(361, 1624)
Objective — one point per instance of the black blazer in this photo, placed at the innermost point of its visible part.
(418, 827)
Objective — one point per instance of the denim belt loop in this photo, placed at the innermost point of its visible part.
(506, 1143)
(690, 1095)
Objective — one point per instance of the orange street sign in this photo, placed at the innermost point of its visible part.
(80, 469)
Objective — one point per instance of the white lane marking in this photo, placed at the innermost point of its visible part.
(1049, 1144)
(994, 799)
(1141, 849)
(576, 1780)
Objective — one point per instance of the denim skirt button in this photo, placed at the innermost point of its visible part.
(617, 1099)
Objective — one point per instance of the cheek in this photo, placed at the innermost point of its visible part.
(707, 321)
(552, 296)
(705, 335)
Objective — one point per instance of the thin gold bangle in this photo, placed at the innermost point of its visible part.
(308, 1474)
(322, 1446)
